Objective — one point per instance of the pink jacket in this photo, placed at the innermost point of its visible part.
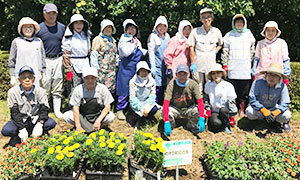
(177, 53)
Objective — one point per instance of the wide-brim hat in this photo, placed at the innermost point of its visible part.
(271, 24)
(215, 67)
(107, 22)
(275, 68)
(129, 21)
(28, 20)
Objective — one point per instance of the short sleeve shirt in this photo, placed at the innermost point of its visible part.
(100, 92)
(183, 97)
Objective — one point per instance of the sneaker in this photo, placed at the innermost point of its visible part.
(287, 127)
(120, 115)
(227, 130)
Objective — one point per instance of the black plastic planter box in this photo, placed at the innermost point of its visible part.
(46, 175)
(132, 168)
(98, 175)
(212, 176)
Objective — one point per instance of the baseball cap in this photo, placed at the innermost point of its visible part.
(182, 67)
(50, 7)
(25, 68)
(204, 10)
(89, 71)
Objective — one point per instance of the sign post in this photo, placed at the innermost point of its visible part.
(177, 153)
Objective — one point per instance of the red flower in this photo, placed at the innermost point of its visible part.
(31, 161)
(29, 171)
(17, 171)
(13, 163)
(24, 143)
(22, 162)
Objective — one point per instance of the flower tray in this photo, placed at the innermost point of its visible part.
(210, 174)
(98, 175)
(132, 168)
(45, 175)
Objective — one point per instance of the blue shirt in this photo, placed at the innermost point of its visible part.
(52, 37)
(263, 96)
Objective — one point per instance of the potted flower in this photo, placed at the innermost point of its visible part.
(106, 154)
(22, 161)
(242, 160)
(63, 156)
(148, 155)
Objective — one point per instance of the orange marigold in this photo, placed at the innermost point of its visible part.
(288, 170)
(293, 174)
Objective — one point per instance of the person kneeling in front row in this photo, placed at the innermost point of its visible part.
(269, 98)
(29, 109)
(91, 104)
(183, 99)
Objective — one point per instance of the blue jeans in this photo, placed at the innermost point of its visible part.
(10, 129)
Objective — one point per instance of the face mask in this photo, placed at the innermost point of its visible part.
(182, 85)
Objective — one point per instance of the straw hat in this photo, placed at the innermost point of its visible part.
(28, 20)
(215, 67)
(275, 68)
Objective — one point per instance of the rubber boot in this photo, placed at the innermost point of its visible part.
(242, 109)
(56, 106)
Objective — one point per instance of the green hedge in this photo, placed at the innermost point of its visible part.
(4, 75)
(294, 88)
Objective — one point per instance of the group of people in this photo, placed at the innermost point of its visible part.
(180, 82)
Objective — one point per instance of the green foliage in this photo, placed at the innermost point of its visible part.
(4, 75)
(294, 88)
(106, 151)
(245, 160)
(148, 150)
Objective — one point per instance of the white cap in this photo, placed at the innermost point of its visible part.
(107, 22)
(271, 24)
(89, 71)
(204, 10)
(142, 64)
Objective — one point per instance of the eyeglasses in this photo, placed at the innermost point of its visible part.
(25, 76)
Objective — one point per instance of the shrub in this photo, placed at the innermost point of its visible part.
(294, 88)
(4, 74)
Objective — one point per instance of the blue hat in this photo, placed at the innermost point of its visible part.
(182, 67)
(26, 68)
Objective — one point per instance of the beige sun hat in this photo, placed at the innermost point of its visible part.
(28, 20)
(215, 67)
(271, 24)
(275, 68)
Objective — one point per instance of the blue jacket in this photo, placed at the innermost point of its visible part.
(271, 98)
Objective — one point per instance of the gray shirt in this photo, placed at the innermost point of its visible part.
(100, 92)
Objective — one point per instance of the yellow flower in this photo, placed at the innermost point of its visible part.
(102, 131)
(121, 147)
(60, 156)
(65, 150)
(103, 144)
(68, 130)
(117, 140)
(112, 134)
(62, 137)
(71, 138)
(159, 139)
(33, 150)
(162, 150)
(89, 141)
(78, 4)
(149, 135)
(119, 152)
(101, 138)
(82, 131)
(50, 150)
(200, 2)
(125, 137)
(111, 145)
(93, 135)
(121, 135)
(76, 132)
(70, 154)
(152, 147)
(58, 148)
(158, 145)
(83, 3)
(66, 141)
(56, 135)
(76, 145)
(53, 139)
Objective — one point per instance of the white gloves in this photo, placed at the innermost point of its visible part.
(43, 80)
(37, 130)
(13, 80)
(23, 134)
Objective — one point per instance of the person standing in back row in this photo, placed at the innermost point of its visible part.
(51, 33)
(205, 42)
